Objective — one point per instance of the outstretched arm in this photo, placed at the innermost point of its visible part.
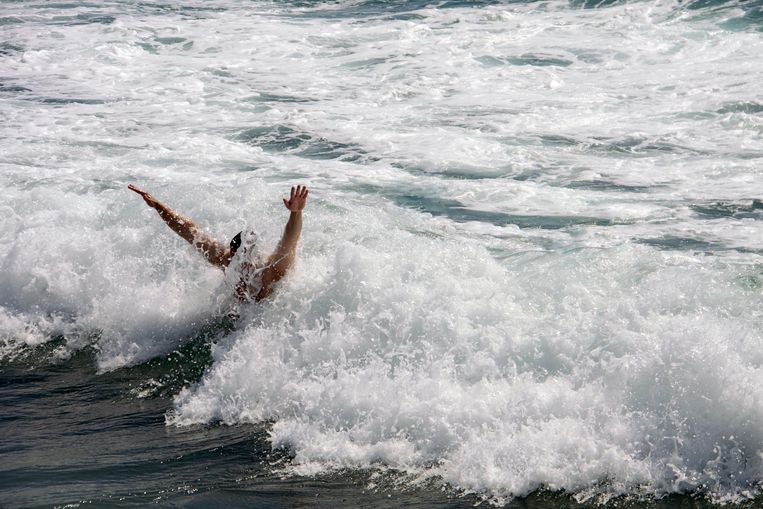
(283, 257)
(216, 253)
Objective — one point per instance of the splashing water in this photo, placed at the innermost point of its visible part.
(532, 256)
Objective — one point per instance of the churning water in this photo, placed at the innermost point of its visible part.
(532, 258)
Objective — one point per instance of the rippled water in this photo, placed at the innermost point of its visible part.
(531, 265)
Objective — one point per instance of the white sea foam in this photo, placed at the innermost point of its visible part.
(531, 258)
(558, 371)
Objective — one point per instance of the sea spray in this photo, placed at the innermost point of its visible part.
(531, 259)
(616, 364)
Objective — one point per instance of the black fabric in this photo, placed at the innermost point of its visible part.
(235, 242)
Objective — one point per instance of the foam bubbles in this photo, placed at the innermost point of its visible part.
(557, 373)
(531, 258)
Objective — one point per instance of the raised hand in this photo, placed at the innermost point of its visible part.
(150, 200)
(297, 200)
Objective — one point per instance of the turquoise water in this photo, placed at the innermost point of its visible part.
(531, 270)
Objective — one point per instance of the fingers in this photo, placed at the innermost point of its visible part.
(298, 191)
(297, 198)
(141, 192)
(150, 201)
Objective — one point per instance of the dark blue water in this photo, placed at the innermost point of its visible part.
(72, 437)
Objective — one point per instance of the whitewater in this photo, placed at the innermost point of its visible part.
(532, 258)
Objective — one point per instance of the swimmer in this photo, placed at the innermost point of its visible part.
(258, 276)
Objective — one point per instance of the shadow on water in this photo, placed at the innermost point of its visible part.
(750, 20)
(64, 101)
(675, 243)
(524, 59)
(280, 138)
(265, 97)
(720, 210)
(635, 146)
(606, 185)
(83, 19)
(454, 172)
(749, 107)
(7, 49)
(672, 242)
(13, 88)
(457, 211)
(579, 178)
(372, 8)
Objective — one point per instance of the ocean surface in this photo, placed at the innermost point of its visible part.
(531, 270)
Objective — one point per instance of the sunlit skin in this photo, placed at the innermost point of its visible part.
(271, 269)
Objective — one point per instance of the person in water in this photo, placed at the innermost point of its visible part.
(258, 274)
